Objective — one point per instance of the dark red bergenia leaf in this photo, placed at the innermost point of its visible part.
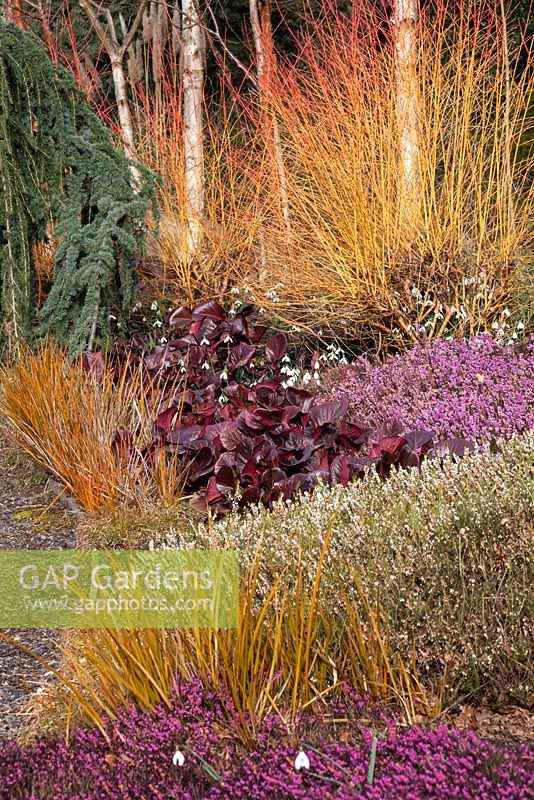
(326, 413)
(257, 333)
(236, 392)
(240, 356)
(390, 427)
(276, 348)
(213, 495)
(201, 465)
(419, 441)
(180, 316)
(230, 436)
(203, 330)
(300, 397)
(184, 435)
(272, 476)
(250, 470)
(225, 480)
(387, 444)
(261, 419)
(250, 496)
(339, 470)
(93, 364)
(199, 501)
(211, 309)
(156, 359)
(166, 419)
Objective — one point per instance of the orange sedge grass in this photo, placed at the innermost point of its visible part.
(66, 421)
(286, 655)
(352, 259)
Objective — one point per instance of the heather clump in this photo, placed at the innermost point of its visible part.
(448, 550)
(476, 388)
(181, 749)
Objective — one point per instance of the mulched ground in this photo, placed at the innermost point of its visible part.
(29, 519)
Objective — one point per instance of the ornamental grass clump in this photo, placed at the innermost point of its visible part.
(71, 416)
(285, 655)
(477, 388)
(183, 750)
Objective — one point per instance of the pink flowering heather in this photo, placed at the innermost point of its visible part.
(477, 389)
(177, 753)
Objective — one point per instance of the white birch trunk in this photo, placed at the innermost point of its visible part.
(123, 107)
(406, 13)
(116, 52)
(193, 83)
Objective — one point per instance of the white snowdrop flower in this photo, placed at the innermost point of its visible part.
(302, 761)
(224, 375)
(306, 378)
(178, 759)
(205, 365)
(520, 326)
(234, 290)
(154, 306)
(137, 307)
(163, 340)
(112, 316)
(495, 326)
(227, 339)
(204, 341)
(505, 312)
(316, 376)
(157, 323)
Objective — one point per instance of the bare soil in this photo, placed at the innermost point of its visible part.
(30, 518)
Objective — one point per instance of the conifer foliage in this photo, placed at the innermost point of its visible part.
(60, 172)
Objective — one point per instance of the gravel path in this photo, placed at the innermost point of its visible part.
(26, 522)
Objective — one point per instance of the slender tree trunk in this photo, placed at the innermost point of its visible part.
(260, 18)
(405, 18)
(123, 107)
(116, 52)
(176, 35)
(193, 85)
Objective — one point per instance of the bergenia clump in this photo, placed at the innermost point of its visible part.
(240, 429)
(477, 389)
